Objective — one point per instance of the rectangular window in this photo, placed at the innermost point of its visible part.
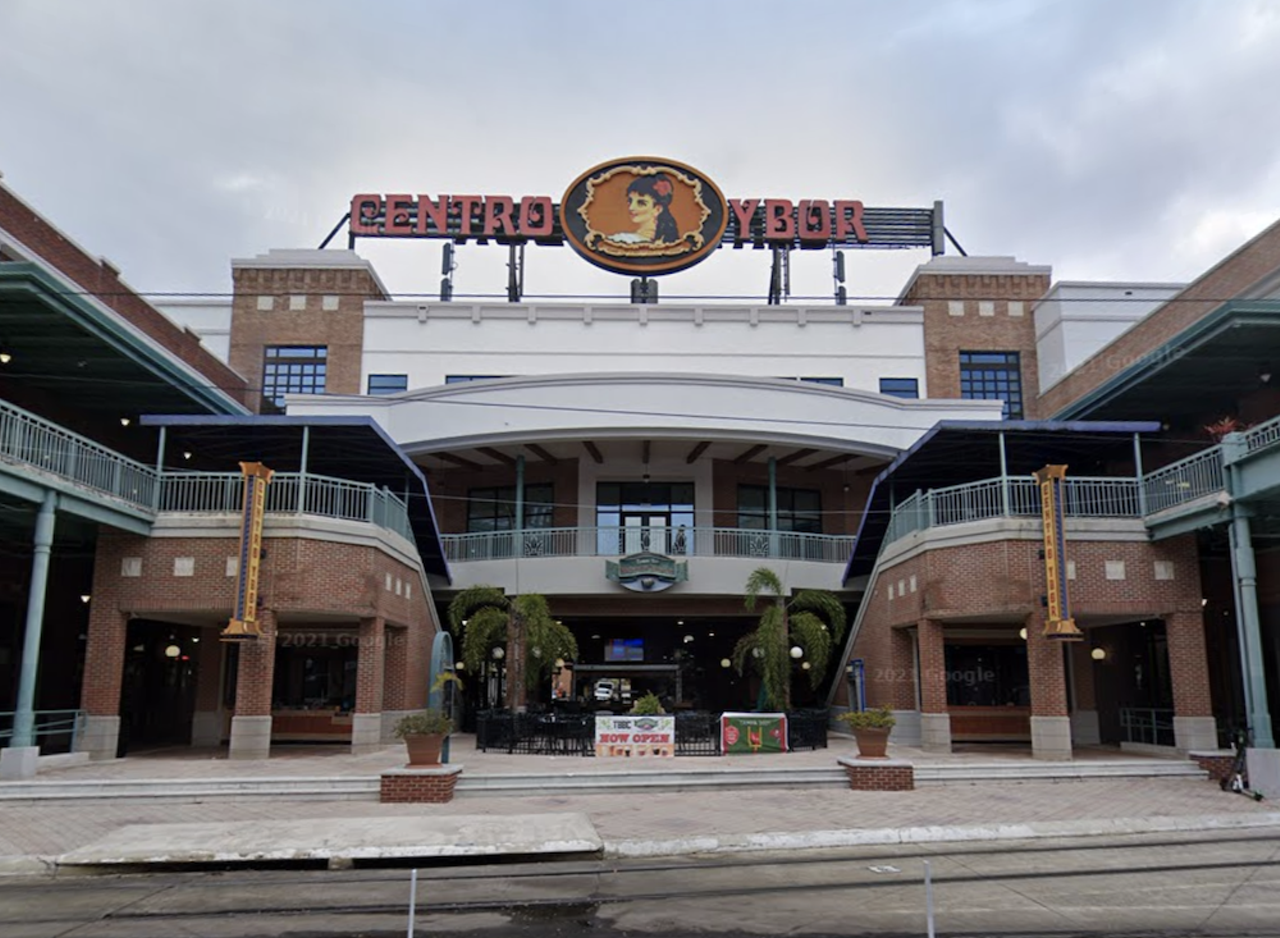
(799, 510)
(993, 376)
(388, 384)
(293, 369)
(494, 509)
(462, 379)
(900, 387)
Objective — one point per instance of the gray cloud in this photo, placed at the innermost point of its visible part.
(1110, 139)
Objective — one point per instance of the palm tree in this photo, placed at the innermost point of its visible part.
(485, 618)
(812, 619)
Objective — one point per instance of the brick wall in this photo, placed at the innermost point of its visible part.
(1000, 583)
(884, 775)
(428, 786)
(945, 335)
(312, 583)
(340, 330)
(1232, 277)
(103, 281)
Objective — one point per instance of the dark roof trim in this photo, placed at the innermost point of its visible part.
(1157, 359)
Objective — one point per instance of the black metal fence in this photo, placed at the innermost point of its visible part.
(574, 734)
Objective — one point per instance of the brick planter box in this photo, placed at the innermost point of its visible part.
(879, 774)
(432, 785)
(1217, 762)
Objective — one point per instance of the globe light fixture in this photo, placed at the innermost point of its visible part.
(725, 662)
(797, 651)
(1098, 654)
(805, 665)
(757, 653)
(172, 651)
(1022, 633)
(499, 653)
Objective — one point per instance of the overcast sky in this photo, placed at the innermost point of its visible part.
(1111, 139)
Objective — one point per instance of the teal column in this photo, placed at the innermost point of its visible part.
(1137, 471)
(519, 519)
(156, 495)
(302, 470)
(1244, 571)
(773, 507)
(1004, 479)
(24, 717)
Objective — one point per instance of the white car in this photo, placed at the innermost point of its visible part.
(604, 690)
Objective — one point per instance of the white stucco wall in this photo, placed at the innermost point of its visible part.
(1074, 320)
(208, 319)
(430, 341)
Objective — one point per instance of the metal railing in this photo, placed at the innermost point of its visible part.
(47, 447)
(1150, 725)
(55, 730)
(1263, 435)
(617, 541)
(1184, 481)
(288, 493)
(1085, 497)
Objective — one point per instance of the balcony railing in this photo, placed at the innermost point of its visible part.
(47, 447)
(1184, 481)
(288, 493)
(1084, 497)
(674, 542)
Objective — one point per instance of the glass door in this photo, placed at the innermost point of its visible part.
(645, 530)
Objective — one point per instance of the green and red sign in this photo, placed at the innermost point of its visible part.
(753, 733)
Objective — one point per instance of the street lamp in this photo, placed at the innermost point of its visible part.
(797, 651)
(498, 653)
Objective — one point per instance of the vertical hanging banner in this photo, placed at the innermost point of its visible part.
(1058, 623)
(244, 624)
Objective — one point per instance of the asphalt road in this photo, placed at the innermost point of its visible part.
(1208, 884)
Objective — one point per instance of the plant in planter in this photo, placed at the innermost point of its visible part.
(649, 705)
(871, 730)
(423, 734)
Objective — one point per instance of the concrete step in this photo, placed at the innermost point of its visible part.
(357, 788)
(336, 788)
(1012, 771)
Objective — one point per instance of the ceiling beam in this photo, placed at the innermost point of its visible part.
(541, 453)
(796, 456)
(697, 451)
(828, 463)
(498, 455)
(594, 451)
(459, 461)
(751, 454)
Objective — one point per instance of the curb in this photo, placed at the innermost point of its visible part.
(816, 840)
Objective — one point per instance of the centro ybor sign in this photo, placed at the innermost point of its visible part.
(644, 215)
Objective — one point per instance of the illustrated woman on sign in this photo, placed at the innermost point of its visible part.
(649, 204)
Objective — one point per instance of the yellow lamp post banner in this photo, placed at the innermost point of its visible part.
(244, 624)
(1058, 623)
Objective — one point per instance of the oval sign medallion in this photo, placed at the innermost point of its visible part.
(643, 215)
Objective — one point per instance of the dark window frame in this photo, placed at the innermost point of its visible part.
(293, 369)
(373, 388)
(907, 388)
(753, 512)
(993, 376)
(493, 508)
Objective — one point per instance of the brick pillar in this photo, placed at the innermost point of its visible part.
(515, 662)
(395, 678)
(1193, 724)
(1084, 718)
(103, 676)
(251, 722)
(206, 722)
(366, 723)
(1050, 723)
(935, 720)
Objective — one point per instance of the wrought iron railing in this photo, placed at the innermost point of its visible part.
(55, 730)
(1084, 497)
(288, 493)
(616, 541)
(1150, 725)
(1184, 481)
(39, 444)
(1263, 435)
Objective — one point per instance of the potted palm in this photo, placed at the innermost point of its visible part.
(871, 730)
(424, 733)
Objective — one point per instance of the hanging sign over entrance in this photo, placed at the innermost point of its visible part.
(646, 572)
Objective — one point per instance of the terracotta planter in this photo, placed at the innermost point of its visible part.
(873, 741)
(424, 749)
